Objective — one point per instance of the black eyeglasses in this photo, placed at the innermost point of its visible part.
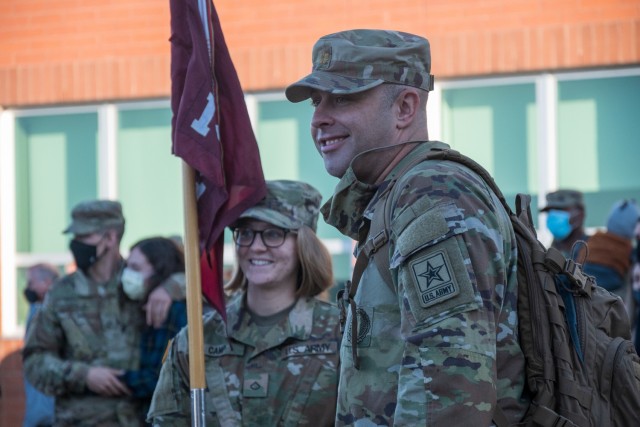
(271, 237)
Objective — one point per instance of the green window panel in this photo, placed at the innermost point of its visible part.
(496, 126)
(598, 150)
(56, 167)
(149, 176)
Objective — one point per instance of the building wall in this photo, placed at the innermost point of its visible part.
(60, 52)
(120, 49)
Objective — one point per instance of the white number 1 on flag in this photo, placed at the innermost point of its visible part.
(201, 125)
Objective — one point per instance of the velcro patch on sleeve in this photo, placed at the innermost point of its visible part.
(433, 279)
(436, 280)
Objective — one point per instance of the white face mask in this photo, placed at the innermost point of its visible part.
(133, 284)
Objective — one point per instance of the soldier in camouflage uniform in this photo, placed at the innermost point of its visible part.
(275, 360)
(565, 220)
(87, 333)
(436, 341)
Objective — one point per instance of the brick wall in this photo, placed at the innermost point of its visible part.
(11, 384)
(69, 51)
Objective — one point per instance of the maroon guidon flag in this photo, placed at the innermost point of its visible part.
(211, 132)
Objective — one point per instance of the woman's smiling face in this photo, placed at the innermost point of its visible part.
(265, 266)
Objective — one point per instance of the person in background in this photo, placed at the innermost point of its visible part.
(431, 333)
(87, 333)
(565, 220)
(275, 359)
(609, 253)
(38, 406)
(151, 263)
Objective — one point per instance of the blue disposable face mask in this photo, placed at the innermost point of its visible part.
(558, 223)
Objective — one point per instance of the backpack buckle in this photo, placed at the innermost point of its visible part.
(375, 243)
(574, 271)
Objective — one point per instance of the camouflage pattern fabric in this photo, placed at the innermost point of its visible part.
(563, 199)
(439, 345)
(176, 286)
(288, 204)
(83, 324)
(357, 60)
(93, 216)
(286, 377)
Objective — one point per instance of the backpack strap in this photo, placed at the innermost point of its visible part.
(379, 232)
(457, 157)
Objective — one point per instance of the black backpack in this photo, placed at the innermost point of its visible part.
(581, 367)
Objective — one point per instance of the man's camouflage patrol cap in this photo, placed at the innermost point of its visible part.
(288, 204)
(358, 60)
(563, 199)
(94, 216)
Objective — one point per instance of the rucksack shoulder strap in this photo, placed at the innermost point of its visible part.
(380, 225)
(379, 230)
(378, 239)
(456, 156)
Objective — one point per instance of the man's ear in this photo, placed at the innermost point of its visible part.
(407, 104)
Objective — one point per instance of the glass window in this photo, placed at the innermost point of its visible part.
(149, 175)
(598, 150)
(56, 159)
(495, 126)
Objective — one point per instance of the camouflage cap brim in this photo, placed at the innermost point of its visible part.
(271, 217)
(328, 82)
(287, 204)
(92, 216)
(90, 227)
(357, 60)
(563, 199)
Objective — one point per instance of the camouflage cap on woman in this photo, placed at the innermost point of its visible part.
(357, 60)
(288, 204)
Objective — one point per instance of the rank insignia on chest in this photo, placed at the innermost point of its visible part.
(255, 385)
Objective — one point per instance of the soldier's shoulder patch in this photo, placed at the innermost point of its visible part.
(433, 277)
(436, 281)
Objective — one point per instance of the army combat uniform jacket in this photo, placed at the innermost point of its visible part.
(439, 345)
(287, 377)
(83, 324)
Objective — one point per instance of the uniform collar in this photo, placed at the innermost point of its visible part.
(297, 326)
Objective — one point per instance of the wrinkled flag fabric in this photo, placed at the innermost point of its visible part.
(211, 132)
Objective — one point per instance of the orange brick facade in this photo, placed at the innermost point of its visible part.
(73, 51)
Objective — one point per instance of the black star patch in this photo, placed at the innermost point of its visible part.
(433, 278)
(431, 274)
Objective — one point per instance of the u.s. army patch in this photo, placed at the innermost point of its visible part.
(434, 278)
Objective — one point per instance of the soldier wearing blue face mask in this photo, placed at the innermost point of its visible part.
(565, 219)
